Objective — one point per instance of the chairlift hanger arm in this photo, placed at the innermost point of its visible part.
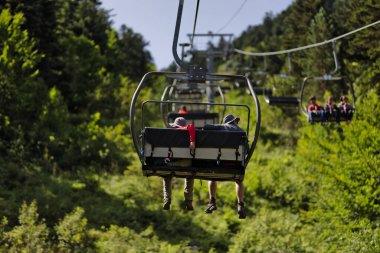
(163, 98)
(335, 58)
(289, 64)
(223, 100)
(177, 59)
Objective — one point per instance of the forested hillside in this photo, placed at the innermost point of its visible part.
(71, 181)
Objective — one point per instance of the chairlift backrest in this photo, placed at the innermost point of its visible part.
(199, 119)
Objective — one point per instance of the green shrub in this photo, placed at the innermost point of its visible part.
(31, 235)
(72, 232)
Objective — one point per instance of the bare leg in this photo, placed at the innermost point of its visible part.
(239, 195)
(188, 193)
(212, 189)
(212, 192)
(167, 188)
(189, 189)
(239, 191)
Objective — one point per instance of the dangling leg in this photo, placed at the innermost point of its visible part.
(322, 116)
(239, 194)
(337, 117)
(188, 193)
(350, 114)
(212, 192)
(346, 116)
(167, 188)
(311, 117)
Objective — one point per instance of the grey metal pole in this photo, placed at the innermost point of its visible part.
(335, 59)
(175, 38)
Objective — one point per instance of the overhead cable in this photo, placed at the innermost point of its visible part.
(307, 46)
(233, 16)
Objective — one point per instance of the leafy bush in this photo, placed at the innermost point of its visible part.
(31, 235)
(72, 232)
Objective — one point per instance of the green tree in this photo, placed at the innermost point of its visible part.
(72, 232)
(298, 20)
(31, 235)
(319, 60)
(22, 93)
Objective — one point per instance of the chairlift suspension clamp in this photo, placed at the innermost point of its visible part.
(196, 74)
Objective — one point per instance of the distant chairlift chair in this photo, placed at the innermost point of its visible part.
(283, 101)
(326, 78)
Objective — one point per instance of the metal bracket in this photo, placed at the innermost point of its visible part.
(218, 158)
(197, 74)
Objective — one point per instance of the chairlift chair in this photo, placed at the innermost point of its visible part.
(283, 101)
(219, 155)
(330, 78)
(192, 96)
(257, 83)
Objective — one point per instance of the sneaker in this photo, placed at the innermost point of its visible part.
(210, 207)
(166, 205)
(241, 211)
(189, 205)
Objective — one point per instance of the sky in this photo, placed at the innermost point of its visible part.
(155, 20)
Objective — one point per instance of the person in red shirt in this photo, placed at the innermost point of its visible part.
(180, 124)
(183, 110)
(315, 110)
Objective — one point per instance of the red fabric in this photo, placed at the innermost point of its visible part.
(314, 107)
(182, 111)
(191, 129)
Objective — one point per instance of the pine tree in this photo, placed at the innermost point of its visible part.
(320, 59)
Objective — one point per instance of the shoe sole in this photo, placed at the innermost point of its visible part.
(242, 214)
(210, 209)
(166, 207)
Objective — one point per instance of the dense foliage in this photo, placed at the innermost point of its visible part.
(71, 182)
